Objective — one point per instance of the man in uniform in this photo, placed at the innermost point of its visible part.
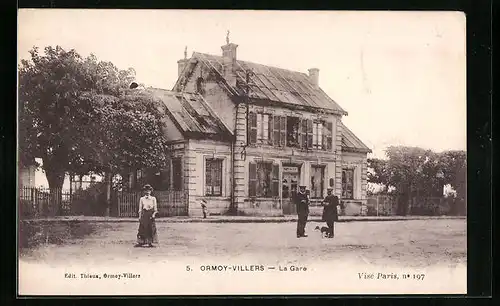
(330, 214)
(302, 202)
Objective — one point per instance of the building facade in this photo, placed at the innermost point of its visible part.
(244, 136)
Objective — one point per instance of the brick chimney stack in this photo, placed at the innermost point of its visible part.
(314, 77)
(229, 60)
(182, 63)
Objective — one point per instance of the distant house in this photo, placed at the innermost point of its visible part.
(27, 176)
(245, 136)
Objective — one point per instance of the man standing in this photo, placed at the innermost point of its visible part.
(302, 202)
(330, 214)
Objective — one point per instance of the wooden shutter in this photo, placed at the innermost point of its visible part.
(328, 137)
(275, 184)
(303, 133)
(344, 185)
(252, 128)
(270, 129)
(276, 131)
(252, 179)
(282, 131)
(309, 134)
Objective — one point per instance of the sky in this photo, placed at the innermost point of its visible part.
(400, 75)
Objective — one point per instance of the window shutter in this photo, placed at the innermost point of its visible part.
(309, 134)
(276, 131)
(329, 136)
(303, 133)
(344, 185)
(282, 131)
(252, 128)
(270, 129)
(275, 185)
(252, 179)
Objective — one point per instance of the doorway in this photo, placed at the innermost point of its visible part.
(289, 184)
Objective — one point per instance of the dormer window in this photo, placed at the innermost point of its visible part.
(200, 86)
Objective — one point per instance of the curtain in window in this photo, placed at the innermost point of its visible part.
(348, 183)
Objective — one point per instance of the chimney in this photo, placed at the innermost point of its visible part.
(182, 63)
(314, 77)
(229, 60)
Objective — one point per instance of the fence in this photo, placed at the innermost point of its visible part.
(387, 205)
(40, 202)
(43, 202)
(170, 203)
(382, 205)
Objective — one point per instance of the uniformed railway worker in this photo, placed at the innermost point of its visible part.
(302, 202)
(330, 214)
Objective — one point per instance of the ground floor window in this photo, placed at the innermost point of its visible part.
(317, 181)
(263, 179)
(213, 177)
(348, 183)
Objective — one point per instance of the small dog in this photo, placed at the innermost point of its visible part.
(323, 230)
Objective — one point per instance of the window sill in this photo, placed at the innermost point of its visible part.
(261, 199)
(210, 197)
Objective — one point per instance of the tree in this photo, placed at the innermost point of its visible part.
(131, 133)
(378, 173)
(454, 165)
(79, 116)
(414, 171)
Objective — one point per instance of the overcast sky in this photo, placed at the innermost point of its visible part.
(400, 75)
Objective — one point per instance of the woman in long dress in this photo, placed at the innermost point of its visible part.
(148, 209)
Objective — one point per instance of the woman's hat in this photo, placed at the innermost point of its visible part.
(329, 188)
(302, 186)
(147, 187)
(204, 201)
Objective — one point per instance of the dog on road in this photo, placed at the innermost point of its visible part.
(323, 230)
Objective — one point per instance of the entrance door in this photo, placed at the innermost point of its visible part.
(290, 183)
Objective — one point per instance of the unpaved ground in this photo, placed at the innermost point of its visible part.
(414, 243)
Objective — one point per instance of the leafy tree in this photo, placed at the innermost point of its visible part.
(79, 116)
(454, 165)
(378, 173)
(53, 112)
(131, 133)
(414, 171)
